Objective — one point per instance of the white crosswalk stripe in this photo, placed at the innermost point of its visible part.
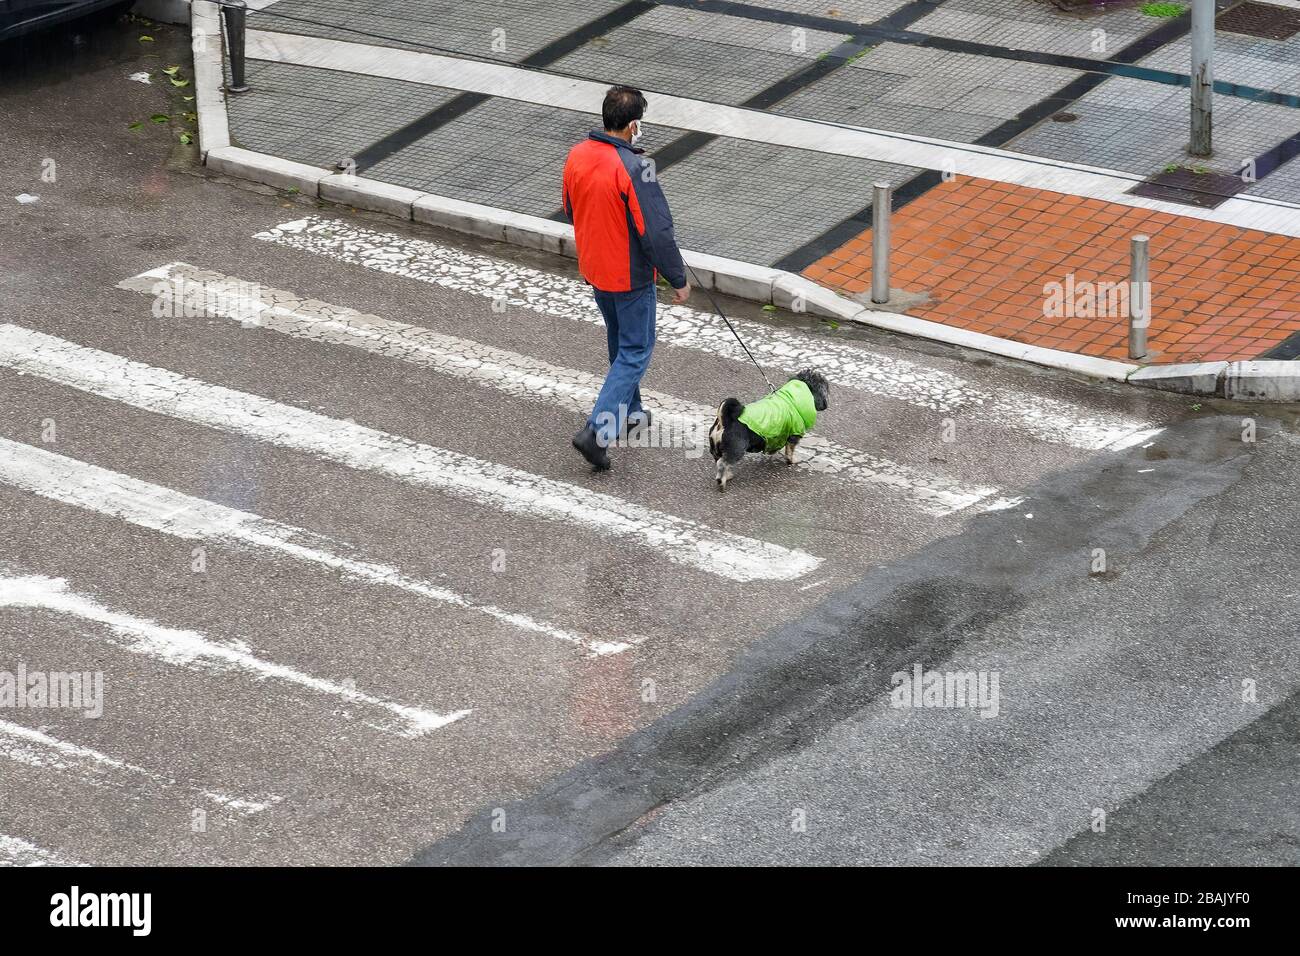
(15, 851)
(191, 650)
(161, 509)
(367, 449)
(36, 748)
(1043, 418)
(177, 284)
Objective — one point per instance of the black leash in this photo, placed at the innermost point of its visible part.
(718, 309)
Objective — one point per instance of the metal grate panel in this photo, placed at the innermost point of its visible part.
(1207, 190)
(1261, 20)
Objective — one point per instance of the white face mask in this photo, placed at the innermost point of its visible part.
(638, 132)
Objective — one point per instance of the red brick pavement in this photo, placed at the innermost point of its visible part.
(988, 252)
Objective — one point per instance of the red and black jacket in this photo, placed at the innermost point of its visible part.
(620, 217)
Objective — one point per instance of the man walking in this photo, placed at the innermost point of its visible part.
(624, 234)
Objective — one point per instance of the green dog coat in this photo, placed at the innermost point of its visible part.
(786, 413)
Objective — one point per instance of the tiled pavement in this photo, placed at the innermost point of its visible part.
(502, 153)
(945, 95)
(986, 254)
(1140, 127)
(766, 204)
(851, 11)
(1129, 124)
(469, 28)
(323, 116)
(757, 200)
(735, 198)
(1035, 26)
(701, 55)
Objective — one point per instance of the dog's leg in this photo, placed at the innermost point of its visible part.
(723, 473)
(790, 447)
(729, 442)
(731, 456)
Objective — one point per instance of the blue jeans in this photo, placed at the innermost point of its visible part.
(630, 331)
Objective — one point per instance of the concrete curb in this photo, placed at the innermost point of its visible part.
(1196, 378)
(1262, 381)
(209, 79)
(1277, 381)
(269, 170)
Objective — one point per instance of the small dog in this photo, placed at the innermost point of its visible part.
(771, 424)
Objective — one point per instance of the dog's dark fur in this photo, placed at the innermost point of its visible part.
(730, 438)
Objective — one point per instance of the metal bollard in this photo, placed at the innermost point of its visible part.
(1139, 296)
(1202, 138)
(881, 197)
(235, 13)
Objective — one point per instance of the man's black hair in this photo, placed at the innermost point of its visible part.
(622, 105)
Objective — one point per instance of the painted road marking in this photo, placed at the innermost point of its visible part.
(507, 489)
(193, 651)
(1046, 419)
(18, 852)
(161, 509)
(516, 375)
(35, 748)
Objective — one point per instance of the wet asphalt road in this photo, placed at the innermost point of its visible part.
(741, 706)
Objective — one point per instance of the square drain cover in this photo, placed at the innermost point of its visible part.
(1261, 20)
(1207, 190)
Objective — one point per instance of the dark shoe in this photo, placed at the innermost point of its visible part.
(589, 447)
(635, 422)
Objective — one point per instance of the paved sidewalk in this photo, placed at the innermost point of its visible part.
(1024, 97)
(986, 254)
